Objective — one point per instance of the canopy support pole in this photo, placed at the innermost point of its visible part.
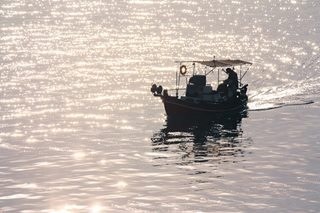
(194, 68)
(240, 76)
(177, 80)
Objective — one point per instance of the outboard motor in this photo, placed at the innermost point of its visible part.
(244, 89)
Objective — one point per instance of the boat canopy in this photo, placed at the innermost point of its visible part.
(220, 63)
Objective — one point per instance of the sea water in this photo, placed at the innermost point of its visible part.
(81, 132)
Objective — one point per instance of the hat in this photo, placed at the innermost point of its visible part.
(228, 70)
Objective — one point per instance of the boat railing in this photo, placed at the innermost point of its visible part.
(176, 92)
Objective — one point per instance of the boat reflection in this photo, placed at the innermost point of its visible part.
(203, 139)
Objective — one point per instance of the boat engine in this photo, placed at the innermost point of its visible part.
(244, 89)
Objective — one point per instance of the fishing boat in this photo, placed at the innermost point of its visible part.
(198, 98)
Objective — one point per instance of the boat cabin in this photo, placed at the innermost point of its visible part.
(196, 86)
(198, 89)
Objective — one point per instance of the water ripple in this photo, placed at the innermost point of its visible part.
(79, 131)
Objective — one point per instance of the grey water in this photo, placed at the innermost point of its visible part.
(81, 132)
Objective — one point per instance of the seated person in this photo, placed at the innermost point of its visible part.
(230, 85)
(232, 78)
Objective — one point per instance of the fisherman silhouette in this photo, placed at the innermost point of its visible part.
(230, 85)
(233, 76)
(232, 82)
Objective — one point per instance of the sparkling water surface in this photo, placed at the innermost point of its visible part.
(81, 132)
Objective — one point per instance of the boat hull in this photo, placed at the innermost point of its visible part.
(177, 107)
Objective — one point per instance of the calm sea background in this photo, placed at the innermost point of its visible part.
(81, 132)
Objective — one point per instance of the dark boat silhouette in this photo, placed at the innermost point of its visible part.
(198, 98)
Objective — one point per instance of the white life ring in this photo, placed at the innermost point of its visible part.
(183, 69)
